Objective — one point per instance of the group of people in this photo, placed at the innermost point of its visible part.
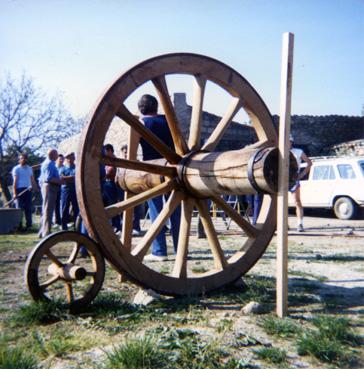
(57, 184)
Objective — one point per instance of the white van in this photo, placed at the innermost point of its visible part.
(336, 183)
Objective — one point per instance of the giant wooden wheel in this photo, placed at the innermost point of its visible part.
(192, 174)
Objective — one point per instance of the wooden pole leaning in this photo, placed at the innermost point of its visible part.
(283, 172)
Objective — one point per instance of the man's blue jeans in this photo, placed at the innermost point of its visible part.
(24, 202)
(159, 245)
(68, 197)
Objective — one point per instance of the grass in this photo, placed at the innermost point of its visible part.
(330, 341)
(279, 327)
(38, 313)
(136, 353)
(16, 358)
(272, 355)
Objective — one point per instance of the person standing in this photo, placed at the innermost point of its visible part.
(296, 189)
(49, 181)
(68, 190)
(110, 190)
(148, 107)
(57, 211)
(23, 184)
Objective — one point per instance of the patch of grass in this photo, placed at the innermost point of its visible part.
(15, 358)
(272, 355)
(199, 269)
(323, 348)
(279, 327)
(300, 273)
(337, 328)
(329, 341)
(224, 325)
(38, 313)
(137, 353)
(164, 269)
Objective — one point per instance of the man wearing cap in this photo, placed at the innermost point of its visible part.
(296, 189)
(68, 190)
(49, 182)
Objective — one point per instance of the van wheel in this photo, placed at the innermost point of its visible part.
(344, 208)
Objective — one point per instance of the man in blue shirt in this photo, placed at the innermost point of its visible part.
(23, 183)
(68, 190)
(148, 106)
(49, 182)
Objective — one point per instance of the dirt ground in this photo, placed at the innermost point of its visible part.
(330, 252)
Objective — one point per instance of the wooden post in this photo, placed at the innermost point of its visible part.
(282, 205)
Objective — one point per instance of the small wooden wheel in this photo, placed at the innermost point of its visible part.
(227, 265)
(58, 269)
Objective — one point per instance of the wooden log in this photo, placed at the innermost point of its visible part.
(237, 172)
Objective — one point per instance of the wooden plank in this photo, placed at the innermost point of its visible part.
(282, 205)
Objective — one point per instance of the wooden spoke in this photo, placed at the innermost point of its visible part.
(140, 165)
(162, 90)
(127, 226)
(180, 265)
(172, 203)
(74, 253)
(217, 252)
(124, 114)
(194, 140)
(69, 292)
(53, 258)
(50, 281)
(121, 206)
(249, 229)
(224, 123)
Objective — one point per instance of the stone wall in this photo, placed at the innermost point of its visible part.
(236, 136)
(316, 135)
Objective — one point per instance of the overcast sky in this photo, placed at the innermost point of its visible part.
(77, 48)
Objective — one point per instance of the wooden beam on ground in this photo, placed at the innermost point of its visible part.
(282, 205)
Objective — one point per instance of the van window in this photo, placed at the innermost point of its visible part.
(361, 165)
(346, 171)
(323, 172)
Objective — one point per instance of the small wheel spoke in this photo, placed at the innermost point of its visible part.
(222, 126)
(180, 265)
(69, 292)
(91, 274)
(53, 258)
(124, 114)
(249, 229)
(49, 282)
(140, 165)
(121, 206)
(162, 90)
(195, 128)
(217, 252)
(172, 203)
(74, 253)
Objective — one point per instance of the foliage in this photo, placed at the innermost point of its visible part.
(38, 313)
(136, 353)
(279, 327)
(329, 341)
(15, 358)
(30, 121)
(272, 354)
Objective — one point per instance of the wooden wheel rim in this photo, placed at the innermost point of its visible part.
(34, 259)
(88, 181)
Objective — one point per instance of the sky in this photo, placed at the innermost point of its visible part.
(77, 48)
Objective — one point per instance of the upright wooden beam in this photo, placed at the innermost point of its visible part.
(282, 205)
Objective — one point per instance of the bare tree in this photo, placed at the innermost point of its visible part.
(29, 119)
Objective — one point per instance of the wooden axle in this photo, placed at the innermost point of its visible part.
(206, 174)
(68, 272)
